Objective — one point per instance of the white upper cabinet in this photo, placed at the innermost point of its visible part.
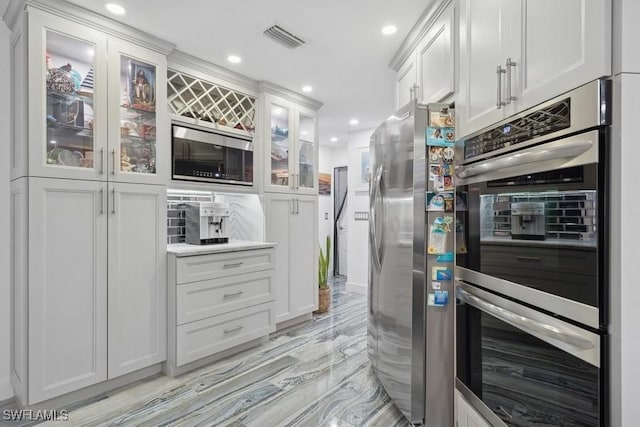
(484, 47)
(139, 149)
(517, 54)
(292, 160)
(435, 59)
(67, 82)
(406, 80)
(97, 105)
(562, 50)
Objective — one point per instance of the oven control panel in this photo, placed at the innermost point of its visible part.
(533, 125)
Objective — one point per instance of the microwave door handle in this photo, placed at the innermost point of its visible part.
(562, 149)
(525, 323)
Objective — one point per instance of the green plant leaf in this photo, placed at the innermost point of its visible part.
(323, 264)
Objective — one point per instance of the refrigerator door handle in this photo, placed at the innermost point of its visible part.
(537, 328)
(373, 239)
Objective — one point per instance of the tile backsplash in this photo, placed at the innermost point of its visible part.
(175, 211)
(246, 220)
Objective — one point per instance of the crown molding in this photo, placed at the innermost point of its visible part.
(181, 61)
(90, 19)
(419, 30)
(11, 14)
(274, 89)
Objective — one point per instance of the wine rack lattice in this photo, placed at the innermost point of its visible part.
(195, 98)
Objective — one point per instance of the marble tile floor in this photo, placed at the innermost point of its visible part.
(312, 374)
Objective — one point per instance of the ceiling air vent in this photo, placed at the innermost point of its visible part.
(284, 37)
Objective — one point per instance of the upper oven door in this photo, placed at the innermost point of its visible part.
(530, 224)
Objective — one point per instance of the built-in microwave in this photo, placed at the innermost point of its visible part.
(209, 156)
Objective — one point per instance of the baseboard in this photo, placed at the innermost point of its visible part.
(294, 321)
(357, 287)
(6, 390)
(95, 391)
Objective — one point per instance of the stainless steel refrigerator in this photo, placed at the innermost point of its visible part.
(410, 343)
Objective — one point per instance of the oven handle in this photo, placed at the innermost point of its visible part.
(525, 323)
(563, 149)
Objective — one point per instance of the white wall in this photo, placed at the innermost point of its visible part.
(6, 391)
(325, 203)
(358, 253)
(624, 237)
(624, 213)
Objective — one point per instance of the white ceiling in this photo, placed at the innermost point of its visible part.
(345, 59)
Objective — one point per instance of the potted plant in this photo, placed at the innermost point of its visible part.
(323, 273)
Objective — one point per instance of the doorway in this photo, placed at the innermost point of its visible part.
(340, 190)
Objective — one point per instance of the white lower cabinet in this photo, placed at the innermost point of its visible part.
(92, 313)
(292, 223)
(218, 301)
(466, 415)
(137, 277)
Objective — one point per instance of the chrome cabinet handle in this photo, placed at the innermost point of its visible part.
(237, 328)
(113, 207)
(101, 161)
(113, 155)
(233, 265)
(293, 206)
(101, 192)
(499, 72)
(510, 65)
(297, 206)
(233, 294)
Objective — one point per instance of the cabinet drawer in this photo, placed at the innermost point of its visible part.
(205, 267)
(209, 336)
(199, 300)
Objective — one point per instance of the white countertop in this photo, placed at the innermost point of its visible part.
(185, 249)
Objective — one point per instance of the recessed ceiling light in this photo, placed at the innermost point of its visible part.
(234, 59)
(116, 9)
(277, 111)
(91, 52)
(304, 132)
(307, 89)
(353, 122)
(334, 139)
(389, 29)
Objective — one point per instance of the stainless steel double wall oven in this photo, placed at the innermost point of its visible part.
(531, 270)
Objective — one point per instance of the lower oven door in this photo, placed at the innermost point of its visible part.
(520, 367)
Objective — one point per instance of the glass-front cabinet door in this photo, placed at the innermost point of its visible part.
(306, 152)
(138, 151)
(280, 166)
(67, 99)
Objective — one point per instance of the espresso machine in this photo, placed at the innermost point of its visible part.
(206, 223)
(528, 221)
